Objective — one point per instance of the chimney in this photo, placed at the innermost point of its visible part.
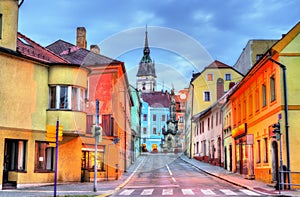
(81, 37)
(95, 48)
(9, 10)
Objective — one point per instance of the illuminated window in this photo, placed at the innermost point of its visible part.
(209, 77)
(44, 157)
(88, 158)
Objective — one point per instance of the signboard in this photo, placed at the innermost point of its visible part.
(240, 130)
(51, 133)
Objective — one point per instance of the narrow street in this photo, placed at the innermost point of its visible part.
(168, 175)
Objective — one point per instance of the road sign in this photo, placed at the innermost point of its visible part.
(51, 133)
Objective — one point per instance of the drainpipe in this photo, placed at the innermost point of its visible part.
(286, 118)
(191, 133)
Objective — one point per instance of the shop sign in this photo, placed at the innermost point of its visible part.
(240, 130)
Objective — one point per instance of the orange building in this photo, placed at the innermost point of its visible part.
(257, 103)
(107, 83)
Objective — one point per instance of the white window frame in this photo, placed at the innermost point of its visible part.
(75, 98)
(204, 97)
(226, 77)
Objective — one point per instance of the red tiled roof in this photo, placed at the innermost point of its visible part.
(181, 96)
(29, 48)
(157, 99)
(218, 64)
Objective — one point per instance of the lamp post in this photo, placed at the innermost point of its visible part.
(96, 130)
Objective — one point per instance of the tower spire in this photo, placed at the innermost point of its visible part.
(146, 77)
(146, 57)
(146, 38)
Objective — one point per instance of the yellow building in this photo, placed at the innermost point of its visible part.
(206, 88)
(37, 87)
(258, 103)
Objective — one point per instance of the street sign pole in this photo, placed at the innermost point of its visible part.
(96, 146)
(56, 157)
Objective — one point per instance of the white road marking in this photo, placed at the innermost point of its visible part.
(248, 192)
(174, 180)
(171, 174)
(207, 192)
(167, 192)
(126, 192)
(187, 192)
(228, 192)
(169, 170)
(147, 192)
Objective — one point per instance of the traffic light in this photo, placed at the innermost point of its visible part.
(97, 132)
(276, 130)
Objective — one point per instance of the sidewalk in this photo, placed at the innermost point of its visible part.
(237, 179)
(104, 188)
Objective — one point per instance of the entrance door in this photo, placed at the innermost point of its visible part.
(219, 151)
(230, 157)
(6, 163)
(13, 157)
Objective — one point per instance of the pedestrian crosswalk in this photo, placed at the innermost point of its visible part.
(187, 192)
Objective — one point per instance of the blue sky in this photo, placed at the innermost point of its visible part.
(184, 36)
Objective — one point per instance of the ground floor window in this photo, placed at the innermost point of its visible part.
(88, 158)
(44, 157)
(15, 155)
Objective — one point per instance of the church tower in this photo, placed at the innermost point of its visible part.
(146, 77)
